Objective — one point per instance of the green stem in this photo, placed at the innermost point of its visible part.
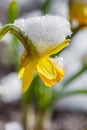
(24, 107)
(24, 116)
(39, 120)
(11, 28)
(15, 51)
(66, 83)
(76, 30)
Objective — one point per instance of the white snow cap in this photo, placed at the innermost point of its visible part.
(45, 31)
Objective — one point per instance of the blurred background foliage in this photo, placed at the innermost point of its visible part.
(39, 98)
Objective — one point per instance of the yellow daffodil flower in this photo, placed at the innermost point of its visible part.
(46, 36)
(41, 36)
(49, 71)
(78, 11)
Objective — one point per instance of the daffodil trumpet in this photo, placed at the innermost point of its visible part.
(41, 36)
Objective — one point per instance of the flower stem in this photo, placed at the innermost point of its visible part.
(46, 7)
(14, 30)
(77, 29)
(39, 120)
(24, 116)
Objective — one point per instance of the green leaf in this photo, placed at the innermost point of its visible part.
(60, 95)
(47, 6)
(13, 11)
(73, 92)
(72, 78)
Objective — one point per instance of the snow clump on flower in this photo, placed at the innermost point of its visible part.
(45, 31)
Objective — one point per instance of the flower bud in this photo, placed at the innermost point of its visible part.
(78, 11)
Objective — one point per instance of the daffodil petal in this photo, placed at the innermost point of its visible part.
(46, 68)
(47, 82)
(20, 74)
(59, 47)
(27, 76)
(60, 73)
(49, 71)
